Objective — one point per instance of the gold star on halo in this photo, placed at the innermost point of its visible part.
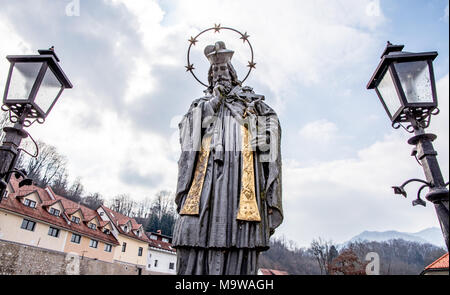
(193, 40)
(217, 28)
(245, 37)
(251, 64)
(189, 67)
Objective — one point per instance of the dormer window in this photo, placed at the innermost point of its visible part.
(75, 219)
(29, 203)
(138, 233)
(125, 228)
(106, 231)
(54, 211)
(92, 226)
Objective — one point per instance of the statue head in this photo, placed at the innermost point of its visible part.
(221, 70)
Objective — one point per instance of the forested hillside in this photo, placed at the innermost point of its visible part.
(397, 257)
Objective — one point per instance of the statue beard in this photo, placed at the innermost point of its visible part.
(226, 83)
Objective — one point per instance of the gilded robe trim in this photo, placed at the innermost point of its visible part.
(192, 203)
(248, 208)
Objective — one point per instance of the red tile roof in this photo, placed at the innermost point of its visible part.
(70, 211)
(13, 204)
(268, 272)
(265, 272)
(161, 245)
(441, 262)
(48, 203)
(120, 219)
(103, 223)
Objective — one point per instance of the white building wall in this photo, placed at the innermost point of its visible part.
(164, 259)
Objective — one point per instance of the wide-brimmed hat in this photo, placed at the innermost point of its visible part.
(218, 53)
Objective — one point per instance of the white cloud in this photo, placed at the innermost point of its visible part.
(339, 199)
(445, 16)
(439, 125)
(304, 42)
(373, 8)
(103, 152)
(321, 131)
(12, 44)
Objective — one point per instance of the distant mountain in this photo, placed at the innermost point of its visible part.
(432, 235)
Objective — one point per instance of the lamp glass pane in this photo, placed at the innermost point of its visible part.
(48, 91)
(23, 76)
(389, 93)
(415, 80)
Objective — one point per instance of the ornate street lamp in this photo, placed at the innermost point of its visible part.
(34, 84)
(405, 84)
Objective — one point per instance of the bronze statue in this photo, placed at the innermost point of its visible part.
(229, 179)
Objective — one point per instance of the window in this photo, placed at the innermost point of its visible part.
(153, 237)
(165, 240)
(75, 219)
(29, 203)
(107, 231)
(54, 211)
(54, 232)
(28, 224)
(171, 265)
(156, 263)
(125, 228)
(92, 226)
(75, 238)
(140, 251)
(93, 244)
(124, 246)
(137, 233)
(108, 248)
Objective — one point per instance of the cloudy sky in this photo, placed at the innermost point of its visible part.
(126, 59)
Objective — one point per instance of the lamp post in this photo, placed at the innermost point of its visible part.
(34, 84)
(405, 85)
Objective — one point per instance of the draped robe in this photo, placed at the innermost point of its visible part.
(214, 241)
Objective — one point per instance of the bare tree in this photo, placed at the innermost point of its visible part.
(162, 213)
(75, 193)
(144, 207)
(4, 121)
(324, 252)
(163, 203)
(47, 166)
(123, 204)
(60, 184)
(93, 201)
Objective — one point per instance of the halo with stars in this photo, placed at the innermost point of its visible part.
(190, 66)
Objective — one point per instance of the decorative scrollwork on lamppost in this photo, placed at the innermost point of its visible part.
(34, 84)
(406, 87)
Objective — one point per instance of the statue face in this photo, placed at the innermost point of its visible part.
(220, 72)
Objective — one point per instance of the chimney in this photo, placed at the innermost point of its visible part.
(50, 192)
(158, 231)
